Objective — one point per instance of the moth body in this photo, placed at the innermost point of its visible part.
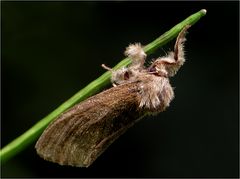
(79, 135)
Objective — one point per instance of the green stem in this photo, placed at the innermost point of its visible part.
(20, 143)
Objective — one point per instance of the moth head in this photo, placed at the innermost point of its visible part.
(121, 76)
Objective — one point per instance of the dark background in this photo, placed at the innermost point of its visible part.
(50, 50)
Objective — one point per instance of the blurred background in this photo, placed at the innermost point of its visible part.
(51, 50)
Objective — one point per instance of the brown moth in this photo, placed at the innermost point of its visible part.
(79, 135)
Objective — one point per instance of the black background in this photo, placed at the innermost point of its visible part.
(50, 50)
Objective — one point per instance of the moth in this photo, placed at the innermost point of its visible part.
(82, 133)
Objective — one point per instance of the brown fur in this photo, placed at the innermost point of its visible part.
(78, 136)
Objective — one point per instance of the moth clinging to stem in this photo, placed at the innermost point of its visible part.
(79, 135)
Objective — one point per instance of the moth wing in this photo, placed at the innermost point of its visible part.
(80, 135)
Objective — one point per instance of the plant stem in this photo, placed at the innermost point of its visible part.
(20, 143)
